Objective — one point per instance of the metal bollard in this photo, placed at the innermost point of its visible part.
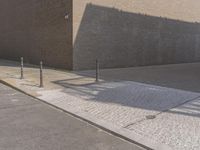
(22, 68)
(41, 74)
(97, 70)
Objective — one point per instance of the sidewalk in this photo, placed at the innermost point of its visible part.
(154, 116)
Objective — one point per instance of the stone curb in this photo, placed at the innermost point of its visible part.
(113, 129)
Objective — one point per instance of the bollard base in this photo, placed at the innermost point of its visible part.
(41, 75)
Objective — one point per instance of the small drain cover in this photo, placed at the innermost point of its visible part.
(150, 117)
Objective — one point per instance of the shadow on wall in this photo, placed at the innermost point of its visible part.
(124, 39)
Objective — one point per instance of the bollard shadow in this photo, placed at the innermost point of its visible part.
(30, 85)
(177, 76)
(12, 76)
(136, 95)
(79, 81)
(124, 39)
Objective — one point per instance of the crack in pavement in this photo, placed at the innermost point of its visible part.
(167, 110)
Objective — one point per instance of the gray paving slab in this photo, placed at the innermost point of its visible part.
(178, 127)
(122, 103)
(37, 126)
(127, 105)
(178, 76)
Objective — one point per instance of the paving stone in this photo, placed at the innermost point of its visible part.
(127, 104)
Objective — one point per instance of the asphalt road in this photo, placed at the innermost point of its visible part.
(28, 124)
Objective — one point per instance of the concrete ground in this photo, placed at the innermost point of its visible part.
(27, 124)
(156, 106)
(177, 76)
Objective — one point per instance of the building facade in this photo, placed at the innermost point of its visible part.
(73, 34)
(37, 30)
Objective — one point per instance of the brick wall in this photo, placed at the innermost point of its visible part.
(135, 32)
(118, 33)
(37, 30)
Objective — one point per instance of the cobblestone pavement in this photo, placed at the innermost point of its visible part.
(179, 127)
(128, 105)
(149, 109)
(27, 124)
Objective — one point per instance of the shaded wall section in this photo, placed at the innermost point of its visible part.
(37, 30)
(127, 37)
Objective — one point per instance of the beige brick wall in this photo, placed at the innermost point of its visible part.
(36, 30)
(184, 10)
(135, 32)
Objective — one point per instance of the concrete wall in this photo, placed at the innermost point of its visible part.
(135, 32)
(36, 30)
(119, 33)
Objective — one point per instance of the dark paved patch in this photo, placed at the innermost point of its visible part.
(27, 124)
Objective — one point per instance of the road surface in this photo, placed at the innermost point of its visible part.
(28, 124)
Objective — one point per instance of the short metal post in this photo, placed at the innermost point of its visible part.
(97, 70)
(22, 68)
(41, 74)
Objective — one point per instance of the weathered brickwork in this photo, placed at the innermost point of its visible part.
(37, 30)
